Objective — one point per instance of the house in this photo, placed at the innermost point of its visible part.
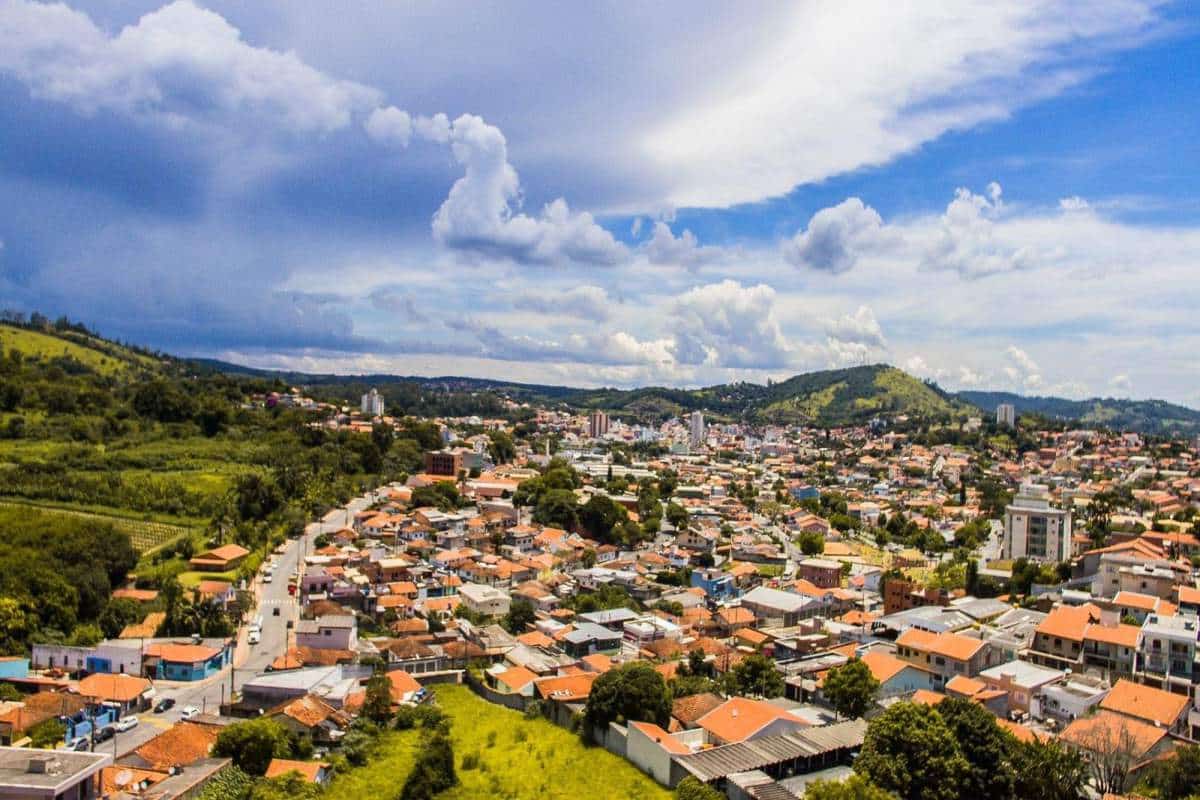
(181, 744)
(1058, 639)
(329, 632)
(740, 718)
(821, 572)
(944, 654)
(1106, 733)
(1022, 680)
(1154, 706)
(1166, 652)
(486, 600)
(896, 677)
(587, 638)
(127, 692)
(189, 662)
(50, 775)
(220, 559)
(651, 748)
(779, 608)
(311, 771)
(312, 716)
(1111, 648)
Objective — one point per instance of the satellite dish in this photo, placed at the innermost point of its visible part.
(124, 777)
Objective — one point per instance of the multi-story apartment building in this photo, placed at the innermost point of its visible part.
(597, 424)
(1166, 654)
(1034, 529)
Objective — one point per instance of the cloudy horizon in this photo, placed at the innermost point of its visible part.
(992, 196)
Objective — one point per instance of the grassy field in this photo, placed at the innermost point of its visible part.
(40, 344)
(518, 758)
(145, 535)
(532, 758)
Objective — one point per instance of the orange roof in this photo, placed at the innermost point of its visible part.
(967, 687)
(309, 770)
(1142, 602)
(116, 688)
(1020, 731)
(1069, 622)
(1106, 729)
(950, 645)
(1121, 635)
(181, 744)
(402, 684)
(567, 688)
(739, 718)
(927, 697)
(884, 666)
(128, 776)
(182, 653)
(307, 710)
(516, 678)
(597, 662)
(1145, 702)
(140, 595)
(535, 639)
(226, 552)
(1187, 594)
(735, 615)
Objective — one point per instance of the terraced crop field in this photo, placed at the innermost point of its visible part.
(145, 535)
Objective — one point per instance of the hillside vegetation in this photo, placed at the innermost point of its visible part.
(1143, 416)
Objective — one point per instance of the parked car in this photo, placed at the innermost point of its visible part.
(189, 712)
(254, 637)
(126, 723)
(166, 704)
(275, 612)
(105, 733)
(267, 578)
(79, 743)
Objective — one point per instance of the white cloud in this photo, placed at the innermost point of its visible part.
(389, 125)
(1120, 383)
(837, 237)
(861, 327)
(970, 243)
(480, 215)
(177, 64)
(730, 325)
(585, 302)
(918, 70)
(1022, 370)
(683, 250)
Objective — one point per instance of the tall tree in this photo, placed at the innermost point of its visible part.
(851, 688)
(910, 751)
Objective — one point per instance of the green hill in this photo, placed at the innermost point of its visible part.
(94, 353)
(855, 395)
(1141, 416)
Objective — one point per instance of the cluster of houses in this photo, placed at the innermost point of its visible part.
(1108, 646)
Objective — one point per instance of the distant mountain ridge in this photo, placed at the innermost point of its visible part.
(1141, 416)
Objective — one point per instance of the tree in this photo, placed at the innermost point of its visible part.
(252, 744)
(519, 617)
(755, 675)
(910, 751)
(377, 703)
(559, 508)
(289, 786)
(1113, 751)
(434, 771)
(632, 692)
(690, 788)
(117, 614)
(501, 449)
(1177, 777)
(600, 515)
(812, 543)
(851, 688)
(985, 745)
(1049, 770)
(856, 787)
(47, 734)
(85, 635)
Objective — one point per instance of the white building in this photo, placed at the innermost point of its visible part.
(696, 429)
(1034, 529)
(486, 600)
(372, 404)
(1006, 414)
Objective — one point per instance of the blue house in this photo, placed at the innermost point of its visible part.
(716, 584)
(190, 662)
(805, 493)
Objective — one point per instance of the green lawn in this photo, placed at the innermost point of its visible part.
(144, 534)
(384, 776)
(522, 758)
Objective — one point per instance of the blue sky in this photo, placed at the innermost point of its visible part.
(990, 195)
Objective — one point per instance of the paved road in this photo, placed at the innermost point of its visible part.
(249, 660)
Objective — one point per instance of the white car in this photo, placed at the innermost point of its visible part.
(254, 637)
(267, 578)
(189, 712)
(126, 723)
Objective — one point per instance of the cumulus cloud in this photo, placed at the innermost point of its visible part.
(481, 215)
(389, 125)
(836, 237)
(585, 302)
(683, 250)
(177, 64)
(1120, 383)
(1022, 370)
(970, 243)
(730, 325)
(861, 327)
